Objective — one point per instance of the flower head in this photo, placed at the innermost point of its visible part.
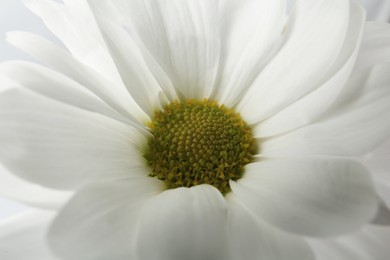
(199, 142)
(197, 129)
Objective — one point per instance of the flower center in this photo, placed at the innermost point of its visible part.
(198, 142)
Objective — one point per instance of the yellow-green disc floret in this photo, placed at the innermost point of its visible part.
(198, 142)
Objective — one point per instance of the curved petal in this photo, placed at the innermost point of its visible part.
(356, 123)
(63, 147)
(368, 244)
(184, 223)
(250, 238)
(114, 95)
(310, 107)
(29, 193)
(24, 236)
(100, 222)
(183, 37)
(56, 86)
(375, 47)
(107, 10)
(132, 67)
(314, 37)
(249, 30)
(73, 23)
(315, 197)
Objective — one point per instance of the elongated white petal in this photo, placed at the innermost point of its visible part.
(368, 244)
(29, 193)
(375, 47)
(108, 10)
(24, 236)
(251, 238)
(60, 146)
(183, 224)
(315, 34)
(115, 95)
(355, 124)
(315, 197)
(134, 72)
(249, 31)
(56, 86)
(183, 38)
(311, 106)
(100, 222)
(74, 24)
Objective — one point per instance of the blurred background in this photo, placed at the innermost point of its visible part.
(14, 16)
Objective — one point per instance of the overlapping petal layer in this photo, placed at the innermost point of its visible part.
(64, 147)
(182, 36)
(314, 36)
(74, 24)
(18, 189)
(251, 238)
(24, 237)
(368, 244)
(101, 221)
(246, 44)
(58, 87)
(310, 196)
(310, 107)
(376, 45)
(183, 224)
(356, 123)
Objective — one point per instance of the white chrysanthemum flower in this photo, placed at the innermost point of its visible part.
(195, 129)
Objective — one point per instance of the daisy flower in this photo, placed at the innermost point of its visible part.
(195, 129)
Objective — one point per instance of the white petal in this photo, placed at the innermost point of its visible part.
(183, 37)
(251, 238)
(24, 237)
(6, 83)
(60, 146)
(130, 63)
(378, 164)
(107, 9)
(56, 86)
(115, 95)
(249, 30)
(314, 36)
(35, 195)
(355, 124)
(100, 222)
(371, 243)
(74, 24)
(310, 107)
(184, 223)
(375, 47)
(315, 197)
(383, 215)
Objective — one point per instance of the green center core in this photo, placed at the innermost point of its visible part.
(198, 142)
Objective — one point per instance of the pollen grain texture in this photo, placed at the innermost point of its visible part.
(198, 142)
